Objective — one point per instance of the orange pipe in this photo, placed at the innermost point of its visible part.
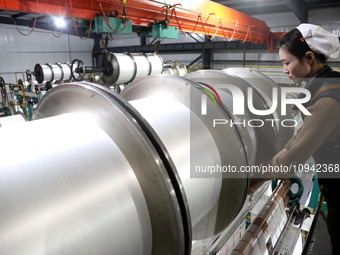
(200, 16)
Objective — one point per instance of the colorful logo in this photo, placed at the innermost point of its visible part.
(209, 93)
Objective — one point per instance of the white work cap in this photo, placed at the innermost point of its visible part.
(319, 40)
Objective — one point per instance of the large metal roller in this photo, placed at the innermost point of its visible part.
(12, 120)
(110, 114)
(73, 192)
(261, 143)
(120, 68)
(52, 72)
(175, 67)
(134, 176)
(125, 67)
(263, 84)
(171, 105)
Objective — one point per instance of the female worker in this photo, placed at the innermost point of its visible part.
(303, 52)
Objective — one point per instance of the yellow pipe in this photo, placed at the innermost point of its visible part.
(24, 98)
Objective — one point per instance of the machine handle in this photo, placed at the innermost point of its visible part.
(78, 69)
(293, 197)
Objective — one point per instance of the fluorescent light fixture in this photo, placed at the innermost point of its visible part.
(59, 21)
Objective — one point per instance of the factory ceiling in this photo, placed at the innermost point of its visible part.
(249, 7)
(258, 7)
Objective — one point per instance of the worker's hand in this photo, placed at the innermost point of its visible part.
(257, 180)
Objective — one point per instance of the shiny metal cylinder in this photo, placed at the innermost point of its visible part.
(171, 105)
(66, 69)
(261, 143)
(57, 73)
(124, 180)
(142, 65)
(12, 120)
(124, 126)
(63, 195)
(156, 63)
(125, 67)
(248, 134)
(264, 85)
(62, 72)
(171, 121)
(175, 67)
(43, 73)
(52, 72)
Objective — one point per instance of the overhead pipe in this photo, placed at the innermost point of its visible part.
(120, 68)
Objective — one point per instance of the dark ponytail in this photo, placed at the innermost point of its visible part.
(297, 46)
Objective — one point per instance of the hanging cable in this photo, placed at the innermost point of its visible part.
(35, 19)
(257, 36)
(202, 25)
(195, 24)
(173, 11)
(206, 21)
(225, 37)
(247, 34)
(260, 32)
(199, 17)
(270, 43)
(235, 29)
(217, 29)
(74, 23)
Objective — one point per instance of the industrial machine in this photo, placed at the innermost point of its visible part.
(17, 98)
(137, 173)
(113, 69)
(175, 67)
(116, 70)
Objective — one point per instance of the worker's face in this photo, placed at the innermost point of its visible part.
(293, 67)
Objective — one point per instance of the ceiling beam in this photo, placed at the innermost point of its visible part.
(207, 18)
(42, 18)
(18, 15)
(299, 8)
(186, 47)
(324, 4)
(265, 9)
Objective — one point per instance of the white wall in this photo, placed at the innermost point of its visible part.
(280, 22)
(122, 40)
(185, 58)
(19, 53)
